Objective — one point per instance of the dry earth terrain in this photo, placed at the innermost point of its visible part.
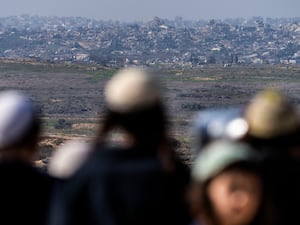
(71, 96)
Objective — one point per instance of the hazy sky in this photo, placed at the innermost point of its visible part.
(137, 10)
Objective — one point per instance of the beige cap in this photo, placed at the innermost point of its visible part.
(270, 115)
(131, 89)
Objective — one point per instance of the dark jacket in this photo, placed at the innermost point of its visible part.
(120, 187)
(282, 177)
(24, 194)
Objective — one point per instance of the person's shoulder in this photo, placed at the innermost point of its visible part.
(181, 164)
(41, 177)
(183, 170)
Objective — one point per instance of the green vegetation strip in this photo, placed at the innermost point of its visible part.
(7, 66)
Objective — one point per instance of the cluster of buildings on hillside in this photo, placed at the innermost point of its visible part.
(159, 42)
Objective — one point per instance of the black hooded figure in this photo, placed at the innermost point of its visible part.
(133, 176)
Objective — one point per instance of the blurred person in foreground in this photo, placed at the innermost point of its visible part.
(68, 158)
(274, 129)
(24, 190)
(217, 124)
(227, 186)
(136, 179)
(274, 124)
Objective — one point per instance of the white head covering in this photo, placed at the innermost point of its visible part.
(218, 155)
(16, 115)
(131, 89)
(68, 157)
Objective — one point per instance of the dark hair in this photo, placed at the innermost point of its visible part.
(275, 146)
(148, 126)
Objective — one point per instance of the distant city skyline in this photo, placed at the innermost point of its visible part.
(141, 10)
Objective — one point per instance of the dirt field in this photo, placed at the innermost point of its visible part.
(71, 99)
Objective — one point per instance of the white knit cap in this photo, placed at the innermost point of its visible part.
(16, 115)
(219, 155)
(131, 89)
(68, 157)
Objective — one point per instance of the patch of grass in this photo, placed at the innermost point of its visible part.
(100, 74)
(45, 151)
(70, 126)
(254, 73)
(8, 66)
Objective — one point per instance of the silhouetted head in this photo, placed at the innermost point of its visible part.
(19, 124)
(273, 121)
(133, 104)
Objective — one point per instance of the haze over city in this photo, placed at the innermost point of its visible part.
(141, 10)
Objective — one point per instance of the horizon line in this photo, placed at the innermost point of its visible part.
(147, 20)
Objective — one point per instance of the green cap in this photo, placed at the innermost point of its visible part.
(219, 155)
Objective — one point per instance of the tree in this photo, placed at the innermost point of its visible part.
(211, 60)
